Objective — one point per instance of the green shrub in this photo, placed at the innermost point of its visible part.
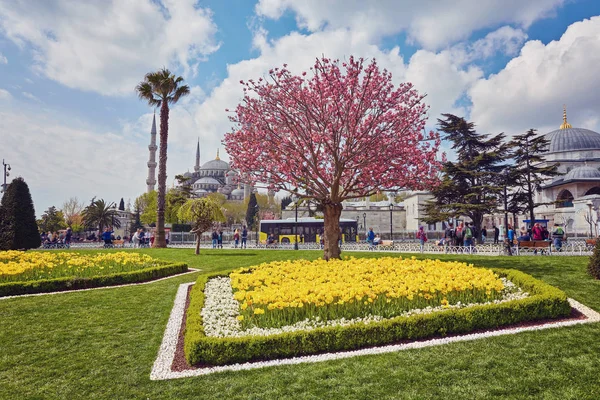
(594, 264)
(18, 228)
(61, 284)
(544, 302)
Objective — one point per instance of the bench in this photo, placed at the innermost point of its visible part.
(384, 244)
(543, 245)
(590, 243)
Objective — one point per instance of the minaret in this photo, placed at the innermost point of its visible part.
(151, 181)
(565, 124)
(197, 166)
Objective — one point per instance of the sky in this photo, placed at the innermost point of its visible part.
(72, 125)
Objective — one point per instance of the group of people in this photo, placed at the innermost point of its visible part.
(57, 239)
(239, 238)
(464, 235)
(142, 239)
(538, 232)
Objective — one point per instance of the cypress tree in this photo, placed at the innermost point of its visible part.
(472, 185)
(252, 211)
(122, 205)
(530, 168)
(18, 226)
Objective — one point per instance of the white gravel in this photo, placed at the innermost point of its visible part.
(162, 366)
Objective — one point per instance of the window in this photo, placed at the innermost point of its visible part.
(565, 199)
(594, 190)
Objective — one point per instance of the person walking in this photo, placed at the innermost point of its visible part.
(107, 237)
(468, 238)
(557, 237)
(215, 238)
(236, 238)
(459, 235)
(422, 236)
(449, 235)
(244, 237)
(68, 235)
(370, 238)
(483, 234)
(135, 238)
(220, 240)
(496, 234)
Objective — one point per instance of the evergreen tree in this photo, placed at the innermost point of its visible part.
(529, 168)
(122, 205)
(52, 220)
(472, 185)
(286, 201)
(18, 229)
(137, 223)
(252, 212)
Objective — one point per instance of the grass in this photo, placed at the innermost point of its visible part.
(101, 344)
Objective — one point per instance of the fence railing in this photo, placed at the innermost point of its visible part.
(569, 248)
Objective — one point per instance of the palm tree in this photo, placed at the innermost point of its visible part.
(100, 214)
(160, 89)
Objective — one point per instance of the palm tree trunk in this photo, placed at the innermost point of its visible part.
(159, 239)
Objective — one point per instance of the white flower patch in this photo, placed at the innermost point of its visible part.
(221, 310)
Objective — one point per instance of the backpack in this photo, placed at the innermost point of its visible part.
(468, 233)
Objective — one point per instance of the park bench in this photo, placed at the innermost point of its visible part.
(534, 245)
(386, 245)
(590, 243)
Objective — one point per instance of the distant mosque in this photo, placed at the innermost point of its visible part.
(215, 176)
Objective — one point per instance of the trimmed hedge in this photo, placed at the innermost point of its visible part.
(544, 302)
(71, 283)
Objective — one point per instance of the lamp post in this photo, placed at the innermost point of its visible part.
(508, 244)
(365, 223)
(296, 227)
(590, 205)
(6, 174)
(391, 216)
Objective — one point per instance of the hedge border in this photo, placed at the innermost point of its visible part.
(74, 283)
(544, 302)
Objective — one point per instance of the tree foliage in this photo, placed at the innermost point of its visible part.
(52, 220)
(72, 210)
(18, 228)
(472, 185)
(160, 89)
(100, 214)
(322, 132)
(252, 212)
(201, 213)
(529, 169)
(146, 204)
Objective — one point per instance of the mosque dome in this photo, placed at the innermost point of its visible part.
(568, 138)
(215, 165)
(582, 173)
(207, 181)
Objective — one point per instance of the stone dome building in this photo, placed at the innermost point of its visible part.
(574, 196)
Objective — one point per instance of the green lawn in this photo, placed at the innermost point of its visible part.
(101, 344)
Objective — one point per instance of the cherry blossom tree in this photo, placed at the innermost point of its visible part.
(339, 132)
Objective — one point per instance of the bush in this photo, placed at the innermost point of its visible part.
(61, 284)
(18, 228)
(544, 302)
(594, 264)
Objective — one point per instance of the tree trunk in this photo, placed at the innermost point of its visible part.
(197, 243)
(159, 240)
(332, 213)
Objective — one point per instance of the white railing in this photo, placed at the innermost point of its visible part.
(568, 249)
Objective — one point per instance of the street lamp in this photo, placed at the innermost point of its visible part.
(6, 174)
(296, 226)
(365, 223)
(391, 231)
(590, 204)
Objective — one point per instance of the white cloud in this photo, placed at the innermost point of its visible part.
(30, 96)
(107, 47)
(59, 161)
(5, 94)
(28, 81)
(530, 91)
(3, 59)
(431, 23)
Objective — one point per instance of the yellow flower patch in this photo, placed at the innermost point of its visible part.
(288, 291)
(32, 265)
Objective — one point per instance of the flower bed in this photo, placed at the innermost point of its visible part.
(282, 293)
(38, 272)
(217, 336)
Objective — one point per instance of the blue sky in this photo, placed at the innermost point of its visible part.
(71, 124)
